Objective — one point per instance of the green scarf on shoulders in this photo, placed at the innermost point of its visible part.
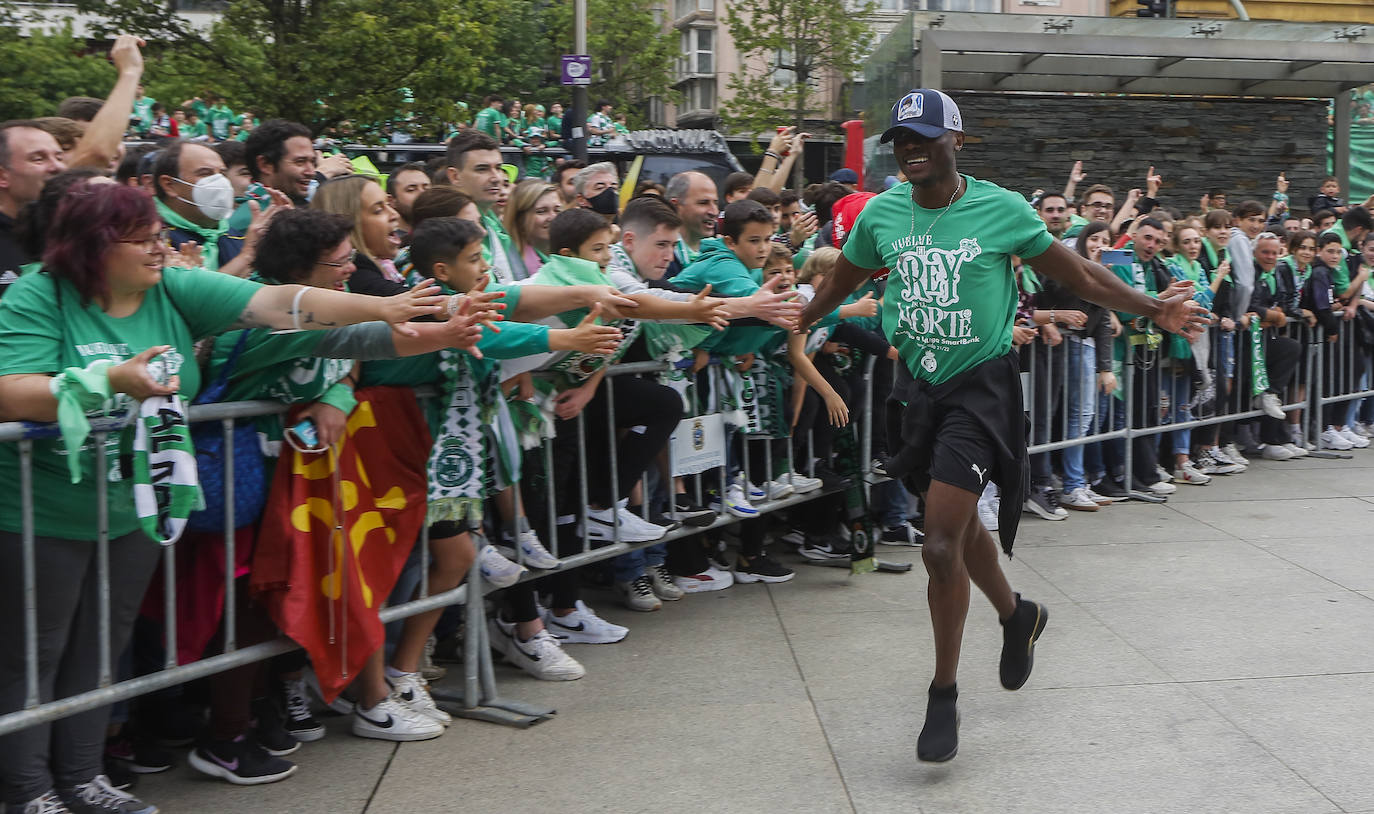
(209, 237)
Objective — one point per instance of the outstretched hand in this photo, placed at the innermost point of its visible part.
(1179, 313)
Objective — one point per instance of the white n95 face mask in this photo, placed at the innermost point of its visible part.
(213, 195)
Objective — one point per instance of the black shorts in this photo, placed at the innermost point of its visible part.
(964, 455)
(447, 528)
(971, 426)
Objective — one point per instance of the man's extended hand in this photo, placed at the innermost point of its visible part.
(1179, 313)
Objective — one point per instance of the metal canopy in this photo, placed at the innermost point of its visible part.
(1072, 63)
(1097, 55)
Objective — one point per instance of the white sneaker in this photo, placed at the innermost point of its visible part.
(1189, 474)
(754, 492)
(779, 489)
(987, 513)
(1161, 488)
(497, 570)
(1221, 465)
(1163, 474)
(1332, 439)
(712, 579)
(1363, 429)
(1079, 500)
(392, 720)
(534, 552)
(801, 484)
(412, 690)
(1356, 440)
(662, 583)
(633, 529)
(638, 594)
(1233, 455)
(1269, 403)
(582, 626)
(1277, 452)
(735, 503)
(541, 656)
(1101, 500)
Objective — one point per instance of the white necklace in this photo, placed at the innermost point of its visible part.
(957, 186)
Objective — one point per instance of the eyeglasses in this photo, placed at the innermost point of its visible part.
(349, 258)
(1100, 205)
(150, 245)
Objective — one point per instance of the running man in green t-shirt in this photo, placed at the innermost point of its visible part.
(948, 240)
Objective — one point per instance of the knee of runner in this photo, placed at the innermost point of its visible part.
(940, 552)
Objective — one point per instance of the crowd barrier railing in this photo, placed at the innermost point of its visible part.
(1324, 376)
(479, 697)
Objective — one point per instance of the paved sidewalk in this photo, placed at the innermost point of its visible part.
(1212, 654)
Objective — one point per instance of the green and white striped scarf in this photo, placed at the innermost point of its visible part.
(1259, 369)
(166, 484)
(476, 451)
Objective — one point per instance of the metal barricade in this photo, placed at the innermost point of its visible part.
(479, 698)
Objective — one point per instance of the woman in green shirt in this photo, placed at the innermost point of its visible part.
(103, 327)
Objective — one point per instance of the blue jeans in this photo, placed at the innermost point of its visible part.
(1081, 375)
(1177, 386)
(891, 503)
(632, 564)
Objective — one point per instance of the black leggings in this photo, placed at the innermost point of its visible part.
(639, 403)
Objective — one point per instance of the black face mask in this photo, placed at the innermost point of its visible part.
(606, 202)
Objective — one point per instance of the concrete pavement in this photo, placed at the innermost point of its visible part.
(1212, 654)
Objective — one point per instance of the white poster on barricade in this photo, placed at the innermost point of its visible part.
(698, 444)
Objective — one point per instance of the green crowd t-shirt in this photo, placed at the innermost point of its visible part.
(951, 296)
(36, 336)
(491, 121)
(143, 109)
(219, 118)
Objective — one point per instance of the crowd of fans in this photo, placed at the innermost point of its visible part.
(1279, 280)
(231, 261)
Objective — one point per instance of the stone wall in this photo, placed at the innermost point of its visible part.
(1031, 142)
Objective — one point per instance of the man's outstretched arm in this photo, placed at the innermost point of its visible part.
(838, 284)
(1174, 309)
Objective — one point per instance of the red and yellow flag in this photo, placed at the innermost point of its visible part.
(337, 530)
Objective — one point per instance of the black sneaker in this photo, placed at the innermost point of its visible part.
(761, 569)
(269, 731)
(137, 755)
(902, 534)
(300, 722)
(687, 511)
(1019, 633)
(121, 776)
(939, 738)
(1108, 487)
(241, 761)
(829, 547)
(830, 479)
(99, 796)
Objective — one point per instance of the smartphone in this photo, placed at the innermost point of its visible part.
(1115, 257)
(307, 437)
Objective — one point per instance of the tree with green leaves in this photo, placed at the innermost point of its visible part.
(632, 57)
(41, 68)
(346, 66)
(789, 48)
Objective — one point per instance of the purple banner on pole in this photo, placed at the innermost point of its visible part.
(577, 69)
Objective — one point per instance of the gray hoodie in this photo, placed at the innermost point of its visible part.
(1241, 250)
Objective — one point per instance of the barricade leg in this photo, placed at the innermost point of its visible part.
(480, 699)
